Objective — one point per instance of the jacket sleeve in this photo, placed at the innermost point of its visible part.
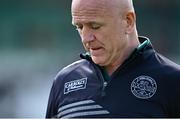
(174, 93)
(51, 107)
(176, 109)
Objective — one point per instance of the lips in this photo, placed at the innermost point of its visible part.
(96, 51)
(95, 48)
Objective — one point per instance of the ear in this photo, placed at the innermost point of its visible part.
(130, 22)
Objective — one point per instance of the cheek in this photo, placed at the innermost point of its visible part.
(106, 41)
(116, 43)
(85, 46)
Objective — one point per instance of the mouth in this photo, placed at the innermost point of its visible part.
(97, 48)
(96, 51)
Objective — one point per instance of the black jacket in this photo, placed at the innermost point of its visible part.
(145, 85)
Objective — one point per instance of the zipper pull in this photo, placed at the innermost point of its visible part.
(103, 91)
(105, 84)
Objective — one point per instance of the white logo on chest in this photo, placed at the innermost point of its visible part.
(75, 85)
(143, 87)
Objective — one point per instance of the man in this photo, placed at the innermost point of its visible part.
(121, 75)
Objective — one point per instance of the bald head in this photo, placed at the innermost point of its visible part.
(113, 6)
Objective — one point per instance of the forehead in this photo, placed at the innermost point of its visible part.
(90, 9)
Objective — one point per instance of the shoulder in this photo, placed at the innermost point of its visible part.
(73, 71)
(168, 66)
(162, 67)
(76, 70)
(71, 68)
(167, 71)
(157, 61)
(166, 74)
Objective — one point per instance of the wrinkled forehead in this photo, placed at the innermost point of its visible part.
(94, 7)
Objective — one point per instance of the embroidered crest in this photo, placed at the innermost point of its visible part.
(143, 87)
(75, 85)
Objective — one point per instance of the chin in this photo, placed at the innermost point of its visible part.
(98, 61)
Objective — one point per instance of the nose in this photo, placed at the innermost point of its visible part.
(87, 36)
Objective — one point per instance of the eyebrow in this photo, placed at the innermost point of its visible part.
(91, 22)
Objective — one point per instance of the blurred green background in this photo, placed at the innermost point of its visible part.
(37, 40)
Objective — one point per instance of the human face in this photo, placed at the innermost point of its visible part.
(101, 28)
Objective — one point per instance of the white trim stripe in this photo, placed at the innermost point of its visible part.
(87, 113)
(75, 104)
(80, 108)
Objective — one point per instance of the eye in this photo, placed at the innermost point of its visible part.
(79, 27)
(95, 26)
